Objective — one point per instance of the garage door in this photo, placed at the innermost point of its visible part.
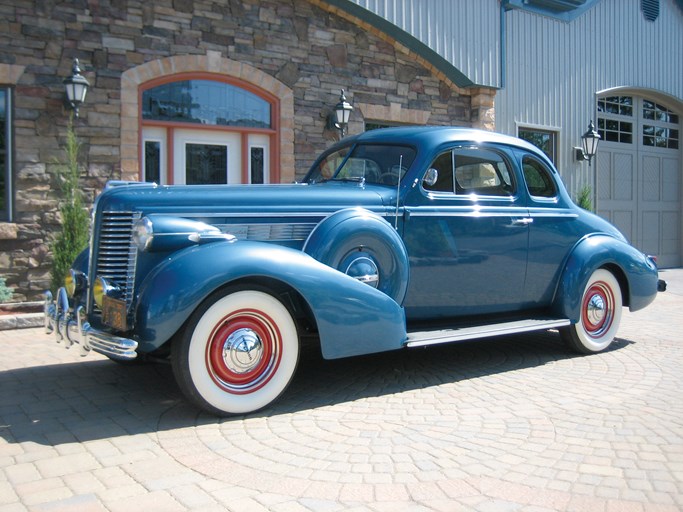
(639, 174)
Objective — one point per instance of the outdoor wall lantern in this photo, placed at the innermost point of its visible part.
(342, 113)
(589, 144)
(76, 87)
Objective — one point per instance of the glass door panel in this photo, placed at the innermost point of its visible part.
(206, 164)
(154, 167)
(259, 159)
(205, 157)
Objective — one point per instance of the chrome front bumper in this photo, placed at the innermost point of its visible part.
(71, 327)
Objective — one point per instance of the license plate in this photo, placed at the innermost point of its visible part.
(115, 313)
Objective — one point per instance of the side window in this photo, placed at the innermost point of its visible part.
(444, 166)
(538, 179)
(482, 172)
(466, 171)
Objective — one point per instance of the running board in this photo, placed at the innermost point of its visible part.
(423, 338)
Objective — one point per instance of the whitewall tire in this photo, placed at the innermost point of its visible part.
(238, 353)
(601, 305)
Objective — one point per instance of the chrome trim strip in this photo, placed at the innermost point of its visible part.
(556, 215)
(421, 339)
(242, 214)
(472, 214)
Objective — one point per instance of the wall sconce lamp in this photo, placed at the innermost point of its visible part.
(589, 144)
(76, 87)
(342, 113)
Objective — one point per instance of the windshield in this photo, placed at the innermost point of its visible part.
(382, 164)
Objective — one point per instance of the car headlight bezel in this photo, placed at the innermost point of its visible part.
(143, 234)
(101, 288)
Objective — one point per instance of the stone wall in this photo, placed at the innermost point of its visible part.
(306, 45)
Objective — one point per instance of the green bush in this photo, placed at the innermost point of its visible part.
(584, 199)
(73, 237)
(5, 293)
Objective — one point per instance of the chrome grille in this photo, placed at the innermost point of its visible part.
(116, 253)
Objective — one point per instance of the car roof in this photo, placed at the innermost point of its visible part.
(436, 135)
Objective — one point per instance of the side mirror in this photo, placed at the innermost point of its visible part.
(430, 177)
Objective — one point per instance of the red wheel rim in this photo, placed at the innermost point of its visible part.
(597, 309)
(244, 351)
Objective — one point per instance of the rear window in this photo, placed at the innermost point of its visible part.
(539, 182)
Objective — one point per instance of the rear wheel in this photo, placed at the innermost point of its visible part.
(601, 305)
(238, 352)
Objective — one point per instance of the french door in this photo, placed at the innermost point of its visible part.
(203, 157)
(206, 158)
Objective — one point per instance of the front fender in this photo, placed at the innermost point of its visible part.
(352, 318)
(636, 273)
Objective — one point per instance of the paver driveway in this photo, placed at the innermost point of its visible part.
(515, 423)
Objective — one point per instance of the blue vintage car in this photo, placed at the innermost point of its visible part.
(397, 238)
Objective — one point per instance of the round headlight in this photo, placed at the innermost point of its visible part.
(143, 233)
(74, 282)
(98, 290)
(70, 283)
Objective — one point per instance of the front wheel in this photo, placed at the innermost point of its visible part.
(238, 352)
(601, 305)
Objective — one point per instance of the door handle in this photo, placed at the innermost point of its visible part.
(523, 221)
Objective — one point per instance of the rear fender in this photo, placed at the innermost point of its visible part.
(636, 273)
(352, 318)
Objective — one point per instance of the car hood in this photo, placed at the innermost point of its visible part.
(259, 200)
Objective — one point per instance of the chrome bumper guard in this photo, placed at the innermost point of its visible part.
(70, 327)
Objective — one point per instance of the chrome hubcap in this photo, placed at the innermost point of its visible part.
(363, 269)
(242, 351)
(596, 309)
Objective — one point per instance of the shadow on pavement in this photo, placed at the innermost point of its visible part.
(93, 400)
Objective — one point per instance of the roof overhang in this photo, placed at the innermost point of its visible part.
(404, 39)
(565, 10)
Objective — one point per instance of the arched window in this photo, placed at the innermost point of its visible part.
(206, 129)
(205, 102)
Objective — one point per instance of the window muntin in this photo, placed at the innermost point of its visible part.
(539, 182)
(611, 130)
(544, 140)
(206, 102)
(660, 126)
(656, 112)
(659, 137)
(618, 105)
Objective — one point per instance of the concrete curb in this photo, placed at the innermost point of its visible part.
(21, 320)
